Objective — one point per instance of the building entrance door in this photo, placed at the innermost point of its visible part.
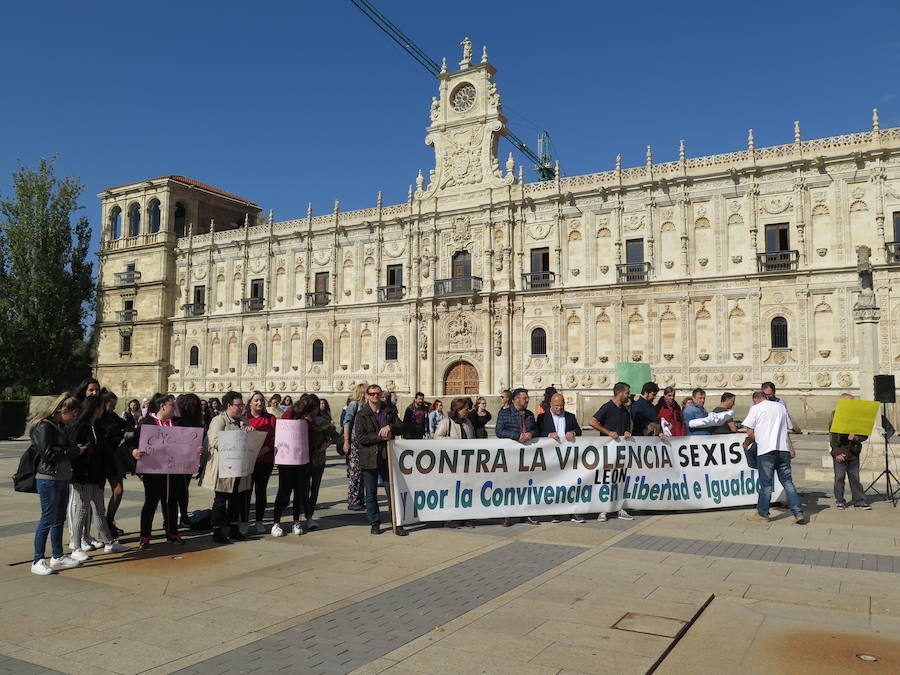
(461, 379)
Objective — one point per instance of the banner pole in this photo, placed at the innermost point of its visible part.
(390, 463)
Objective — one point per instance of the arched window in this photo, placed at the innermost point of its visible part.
(154, 216)
(195, 356)
(180, 218)
(390, 349)
(318, 351)
(134, 220)
(115, 222)
(538, 342)
(252, 354)
(779, 333)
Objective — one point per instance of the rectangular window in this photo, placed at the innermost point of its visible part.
(778, 237)
(128, 305)
(199, 295)
(540, 260)
(395, 275)
(130, 267)
(125, 345)
(634, 251)
(321, 282)
(896, 225)
(256, 289)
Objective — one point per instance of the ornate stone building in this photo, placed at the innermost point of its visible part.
(719, 271)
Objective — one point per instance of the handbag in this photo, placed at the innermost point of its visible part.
(750, 454)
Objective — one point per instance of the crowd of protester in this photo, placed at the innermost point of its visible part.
(81, 444)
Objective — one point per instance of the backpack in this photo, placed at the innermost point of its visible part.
(23, 480)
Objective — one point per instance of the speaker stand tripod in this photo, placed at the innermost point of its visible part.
(890, 493)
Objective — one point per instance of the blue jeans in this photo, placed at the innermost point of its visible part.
(54, 496)
(370, 483)
(768, 464)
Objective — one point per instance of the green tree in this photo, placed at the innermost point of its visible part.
(46, 279)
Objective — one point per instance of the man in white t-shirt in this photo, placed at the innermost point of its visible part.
(767, 423)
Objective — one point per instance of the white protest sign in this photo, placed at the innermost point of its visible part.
(238, 451)
(496, 478)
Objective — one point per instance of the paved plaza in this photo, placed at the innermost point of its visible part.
(699, 592)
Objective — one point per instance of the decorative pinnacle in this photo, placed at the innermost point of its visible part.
(246, 220)
(337, 205)
(420, 181)
(649, 155)
(444, 65)
(681, 151)
(379, 199)
(875, 124)
(796, 131)
(409, 193)
(556, 169)
(484, 54)
(750, 140)
(510, 164)
(309, 210)
(521, 175)
(619, 162)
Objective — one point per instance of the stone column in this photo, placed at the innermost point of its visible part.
(866, 315)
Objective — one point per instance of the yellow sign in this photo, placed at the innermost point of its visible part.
(853, 416)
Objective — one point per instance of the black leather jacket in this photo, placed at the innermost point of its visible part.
(52, 445)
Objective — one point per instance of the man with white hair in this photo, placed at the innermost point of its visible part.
(845, 449)
(767, 423)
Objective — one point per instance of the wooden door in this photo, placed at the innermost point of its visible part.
(461, 379)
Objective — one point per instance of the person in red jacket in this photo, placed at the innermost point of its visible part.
(669, 410)
(261, 420)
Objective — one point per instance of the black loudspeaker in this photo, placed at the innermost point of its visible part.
(885, 389)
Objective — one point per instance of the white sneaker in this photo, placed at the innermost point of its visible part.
(65, 562)
(41, 567)
(601, 518)
(96, 544)
(576, 518)
(85, 546)
(115, 547)
(79, 555)
(243, 528)
(298, 529)
(624, 515)
(259, 527)
(312, 524)
(73, 546)
(277, 531)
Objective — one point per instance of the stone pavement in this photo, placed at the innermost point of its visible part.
(705, 591)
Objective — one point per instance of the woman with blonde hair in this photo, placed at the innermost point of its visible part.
(54, 453)
(354, 473)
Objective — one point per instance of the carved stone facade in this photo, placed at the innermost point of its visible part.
(719, 271)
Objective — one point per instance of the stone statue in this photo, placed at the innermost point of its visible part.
(435, 108)
(467, 53)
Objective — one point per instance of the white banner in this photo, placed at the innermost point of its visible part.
(435, 480)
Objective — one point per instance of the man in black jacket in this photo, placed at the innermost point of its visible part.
(374, 426)
(415, 419)
(560, 425)
(845, 449)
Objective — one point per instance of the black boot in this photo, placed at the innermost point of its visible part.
(400, 532)
(220, 537)
(375, 529)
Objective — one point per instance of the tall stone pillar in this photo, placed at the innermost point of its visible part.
(866, 315)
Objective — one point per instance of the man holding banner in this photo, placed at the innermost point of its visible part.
(613, 420)
(560, 425)
(516, 422)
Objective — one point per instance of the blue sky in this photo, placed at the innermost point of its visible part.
(286, 103)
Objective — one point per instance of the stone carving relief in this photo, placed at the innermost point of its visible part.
(461, 163)
(845, 380)
(823, 379)
(635, 222)
(541, 230)
(423, 345)
(498, 340)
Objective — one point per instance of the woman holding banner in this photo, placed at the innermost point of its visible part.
(261, 420)
(457, 425)
(228, 500)
(190, 414)
(670, 412)
(294, 438)
(159, 488)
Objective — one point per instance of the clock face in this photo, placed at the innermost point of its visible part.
(463, 97)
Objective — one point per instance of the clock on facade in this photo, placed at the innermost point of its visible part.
(463, 97)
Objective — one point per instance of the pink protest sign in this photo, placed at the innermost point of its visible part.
(291, 442)
(169, 449)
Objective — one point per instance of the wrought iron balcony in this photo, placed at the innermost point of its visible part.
(389, 293)
(536, 280)
(633, 273)
(457, 286)
(892, 249)
(127, 278)
(195, 309)
(777, 261)
(318, 299)
(252, 304)
(126, 315)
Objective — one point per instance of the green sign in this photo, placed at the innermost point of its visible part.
(633, 374)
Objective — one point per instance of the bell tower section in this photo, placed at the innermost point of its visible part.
(467, 122)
